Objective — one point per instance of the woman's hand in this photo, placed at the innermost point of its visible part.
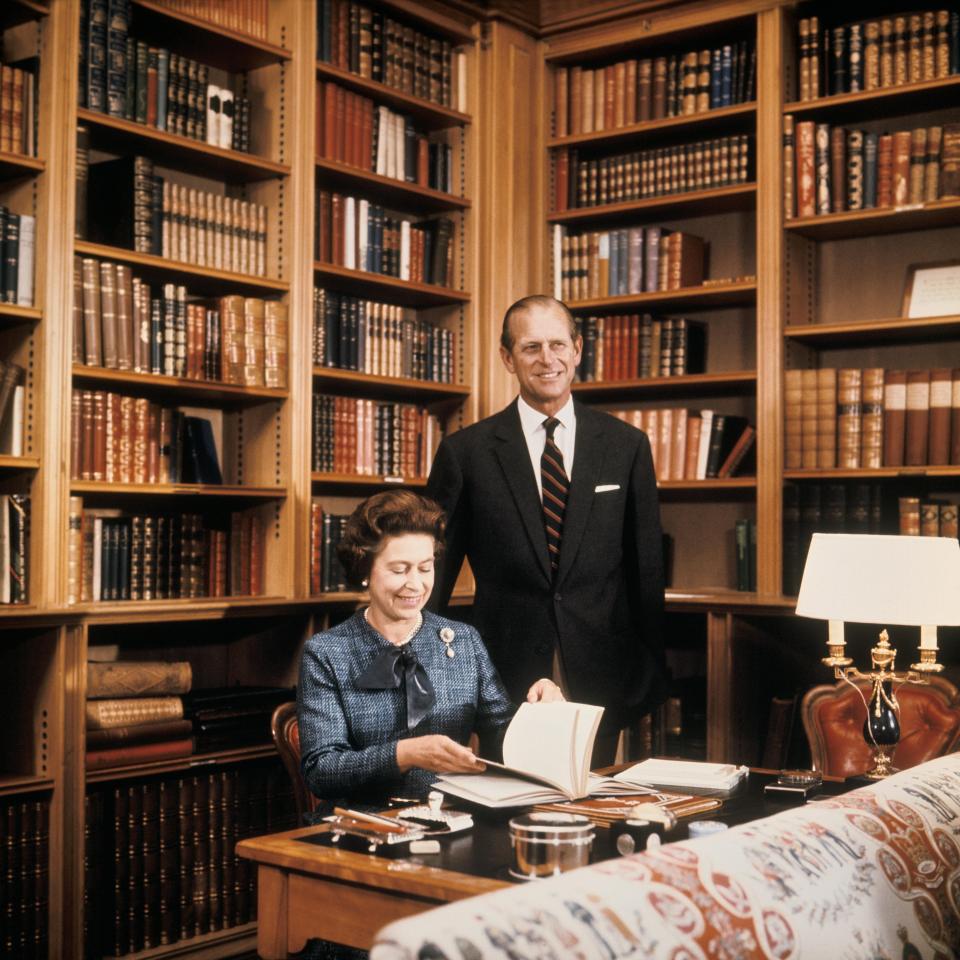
(437, 753)
(544, 691)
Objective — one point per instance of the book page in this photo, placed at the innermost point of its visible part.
(542, 740)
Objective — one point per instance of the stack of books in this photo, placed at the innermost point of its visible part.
(229, 718)
(18, 119)
(25, 882)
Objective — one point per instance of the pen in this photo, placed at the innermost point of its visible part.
(367, 817)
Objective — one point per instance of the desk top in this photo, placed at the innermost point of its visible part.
(476, 860)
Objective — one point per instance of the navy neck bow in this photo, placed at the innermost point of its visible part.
(389, 668)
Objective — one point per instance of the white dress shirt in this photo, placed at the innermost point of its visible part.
(534, 432)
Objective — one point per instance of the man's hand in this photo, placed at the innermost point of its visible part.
(544, 691)
(437, 753)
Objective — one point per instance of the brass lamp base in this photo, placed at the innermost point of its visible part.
(882, 765)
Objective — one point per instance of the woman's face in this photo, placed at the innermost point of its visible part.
(401, 576)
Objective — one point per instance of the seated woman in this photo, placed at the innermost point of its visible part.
(390, 697)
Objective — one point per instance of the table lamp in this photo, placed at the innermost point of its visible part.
(891, 581)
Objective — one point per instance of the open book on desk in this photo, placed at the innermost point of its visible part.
(546, 757)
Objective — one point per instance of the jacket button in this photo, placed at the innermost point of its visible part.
(557, 597)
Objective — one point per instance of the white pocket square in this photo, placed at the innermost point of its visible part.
(606, 487)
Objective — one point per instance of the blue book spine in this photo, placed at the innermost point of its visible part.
(869, 170)
(716, 79)
(97, 55)
(623, 257)
(163, 80)
(651, 272)
(130, 99)
(117, 28)
(726, 76)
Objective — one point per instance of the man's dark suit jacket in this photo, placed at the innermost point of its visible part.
(605, 610)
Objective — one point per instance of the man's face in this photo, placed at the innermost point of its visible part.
(543, 358)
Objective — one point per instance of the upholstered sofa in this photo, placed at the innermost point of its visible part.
(872, 874)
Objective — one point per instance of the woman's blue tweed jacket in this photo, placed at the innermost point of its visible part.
(348, 736)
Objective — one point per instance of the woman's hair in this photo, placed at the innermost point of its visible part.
(387, 514)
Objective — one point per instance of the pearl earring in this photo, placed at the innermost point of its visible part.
(365, 583)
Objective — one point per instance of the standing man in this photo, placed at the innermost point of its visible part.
(555, 506)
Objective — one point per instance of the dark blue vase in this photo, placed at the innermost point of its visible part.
(882, 726)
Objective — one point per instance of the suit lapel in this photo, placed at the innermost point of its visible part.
(511, 450)
(587, 464)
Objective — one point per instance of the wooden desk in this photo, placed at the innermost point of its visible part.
(305, 890)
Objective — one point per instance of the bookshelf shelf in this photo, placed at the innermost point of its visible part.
(231, 50)
(14, 786)
(208, 490)
(342, 596)
(865, 223)
(732, 600)
(388, 189)
(231, 942)
(16, 165)
(11, 314)
(720, 200)
(125, 136)
(9, 464)
(868, 104)
(898, 329)
(203, 279)
(875, 473)
(405, 292)
(431, 116)
(177, 610)
(370, 385)
(361, 481)
(740, 382)
(14, 12)
(738, 118)
(182, 764)
(727, 487)
(691, 298)
(152, 384)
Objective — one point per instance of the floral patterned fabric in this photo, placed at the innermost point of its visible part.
(869, 875)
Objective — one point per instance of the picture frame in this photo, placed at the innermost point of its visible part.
(932, 290)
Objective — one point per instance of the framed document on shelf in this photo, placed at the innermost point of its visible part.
(932, 290)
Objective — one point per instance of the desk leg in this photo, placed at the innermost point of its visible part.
(272, 905)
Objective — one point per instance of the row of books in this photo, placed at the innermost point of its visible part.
(831, 169)
(352, 129)
(927, 517)
(629, 260)
(632, 346)
(352, 232)
(326, 531)
(244, 16)
(128, 206)
(116, 557)
(365, 41)
(810, 508)
(25, 878)
(695, 444)
(631, 91)
(383, 339)
(116, 438)
(160, 865)
(852, 418)
(126, 77)
(18, 241)
(641, 174)
(118, 324)
(745, 552)
(873, 54)
(373, 438)
(18, 108)
(12, 397)
(14, 548)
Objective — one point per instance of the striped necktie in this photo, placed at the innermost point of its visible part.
(553, 478)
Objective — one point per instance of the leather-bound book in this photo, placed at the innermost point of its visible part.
(929, 519)
(599, 99)
(186, 858)
(108, 313)
(575, 95)
(871, 435)
(928, 55)
(950, 162)
(138, 678)
(92, 340)
(803, 37)
(806, 169)
(826, 416)
(704, 60)
(849, 412)
(119, 933)
(789, 153)
(658, 108)
(948, 520)
(813, 53)
(941, 390)
(630, 93)
(838, 61)
(685, 261)
(854, 57)
(870, 143)
(885, 170)
(942, 44)
(902, 140)
(833, 508)
(822, 161)
(918, 159)
(837, 187)
(886, 52)
(811, 517)
(561, 101)
(854, 170)
(900, 69)
(689, 83)
(871, 55)
(101, 714)
(587, 89)
(644, 109)
(809, 423)
(955, 417)
(931, 173)
(167, 861)
(917, 418)
(914, 48)
(858, 509)
(792, 404)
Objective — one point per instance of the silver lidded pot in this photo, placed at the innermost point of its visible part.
(545, 844)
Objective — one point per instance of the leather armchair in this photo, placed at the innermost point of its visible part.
(833, 717)
(286, 737)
